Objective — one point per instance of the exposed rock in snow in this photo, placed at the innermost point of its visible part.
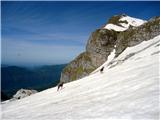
(131, 21)
(123, 22)
(23, 93)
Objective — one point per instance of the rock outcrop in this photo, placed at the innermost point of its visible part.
(104, 40)
(134, 36)
(23, 93)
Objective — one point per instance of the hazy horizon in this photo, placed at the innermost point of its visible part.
(30, 65)
(51, 33)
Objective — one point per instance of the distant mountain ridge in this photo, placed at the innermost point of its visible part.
(120, 32)
(14, 78)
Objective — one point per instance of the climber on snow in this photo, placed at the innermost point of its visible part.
(101, 70)
(60, 85)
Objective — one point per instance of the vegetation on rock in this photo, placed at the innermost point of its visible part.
(103, 41)
(116, 20)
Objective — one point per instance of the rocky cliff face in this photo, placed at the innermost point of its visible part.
(134, 36)
(119, 33)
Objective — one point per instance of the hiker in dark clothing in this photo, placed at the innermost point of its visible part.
(60, 85)
(101, 70)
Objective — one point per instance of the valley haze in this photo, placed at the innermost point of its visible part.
(112, 51)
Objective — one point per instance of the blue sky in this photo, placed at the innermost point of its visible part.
(44, 33)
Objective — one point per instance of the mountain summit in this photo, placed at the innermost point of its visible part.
(123, 22)
(120, 32)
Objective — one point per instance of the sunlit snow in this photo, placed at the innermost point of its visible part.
(126, 90)
(124, 26)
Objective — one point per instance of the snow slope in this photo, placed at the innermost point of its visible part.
(128, 89)
(124, 26)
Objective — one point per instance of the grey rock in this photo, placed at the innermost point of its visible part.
(102, 42)
(132, 37)
(23, 93)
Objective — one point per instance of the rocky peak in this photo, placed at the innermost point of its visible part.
(134, 36)
(122, 22)
(103, 41)
(116, 19)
